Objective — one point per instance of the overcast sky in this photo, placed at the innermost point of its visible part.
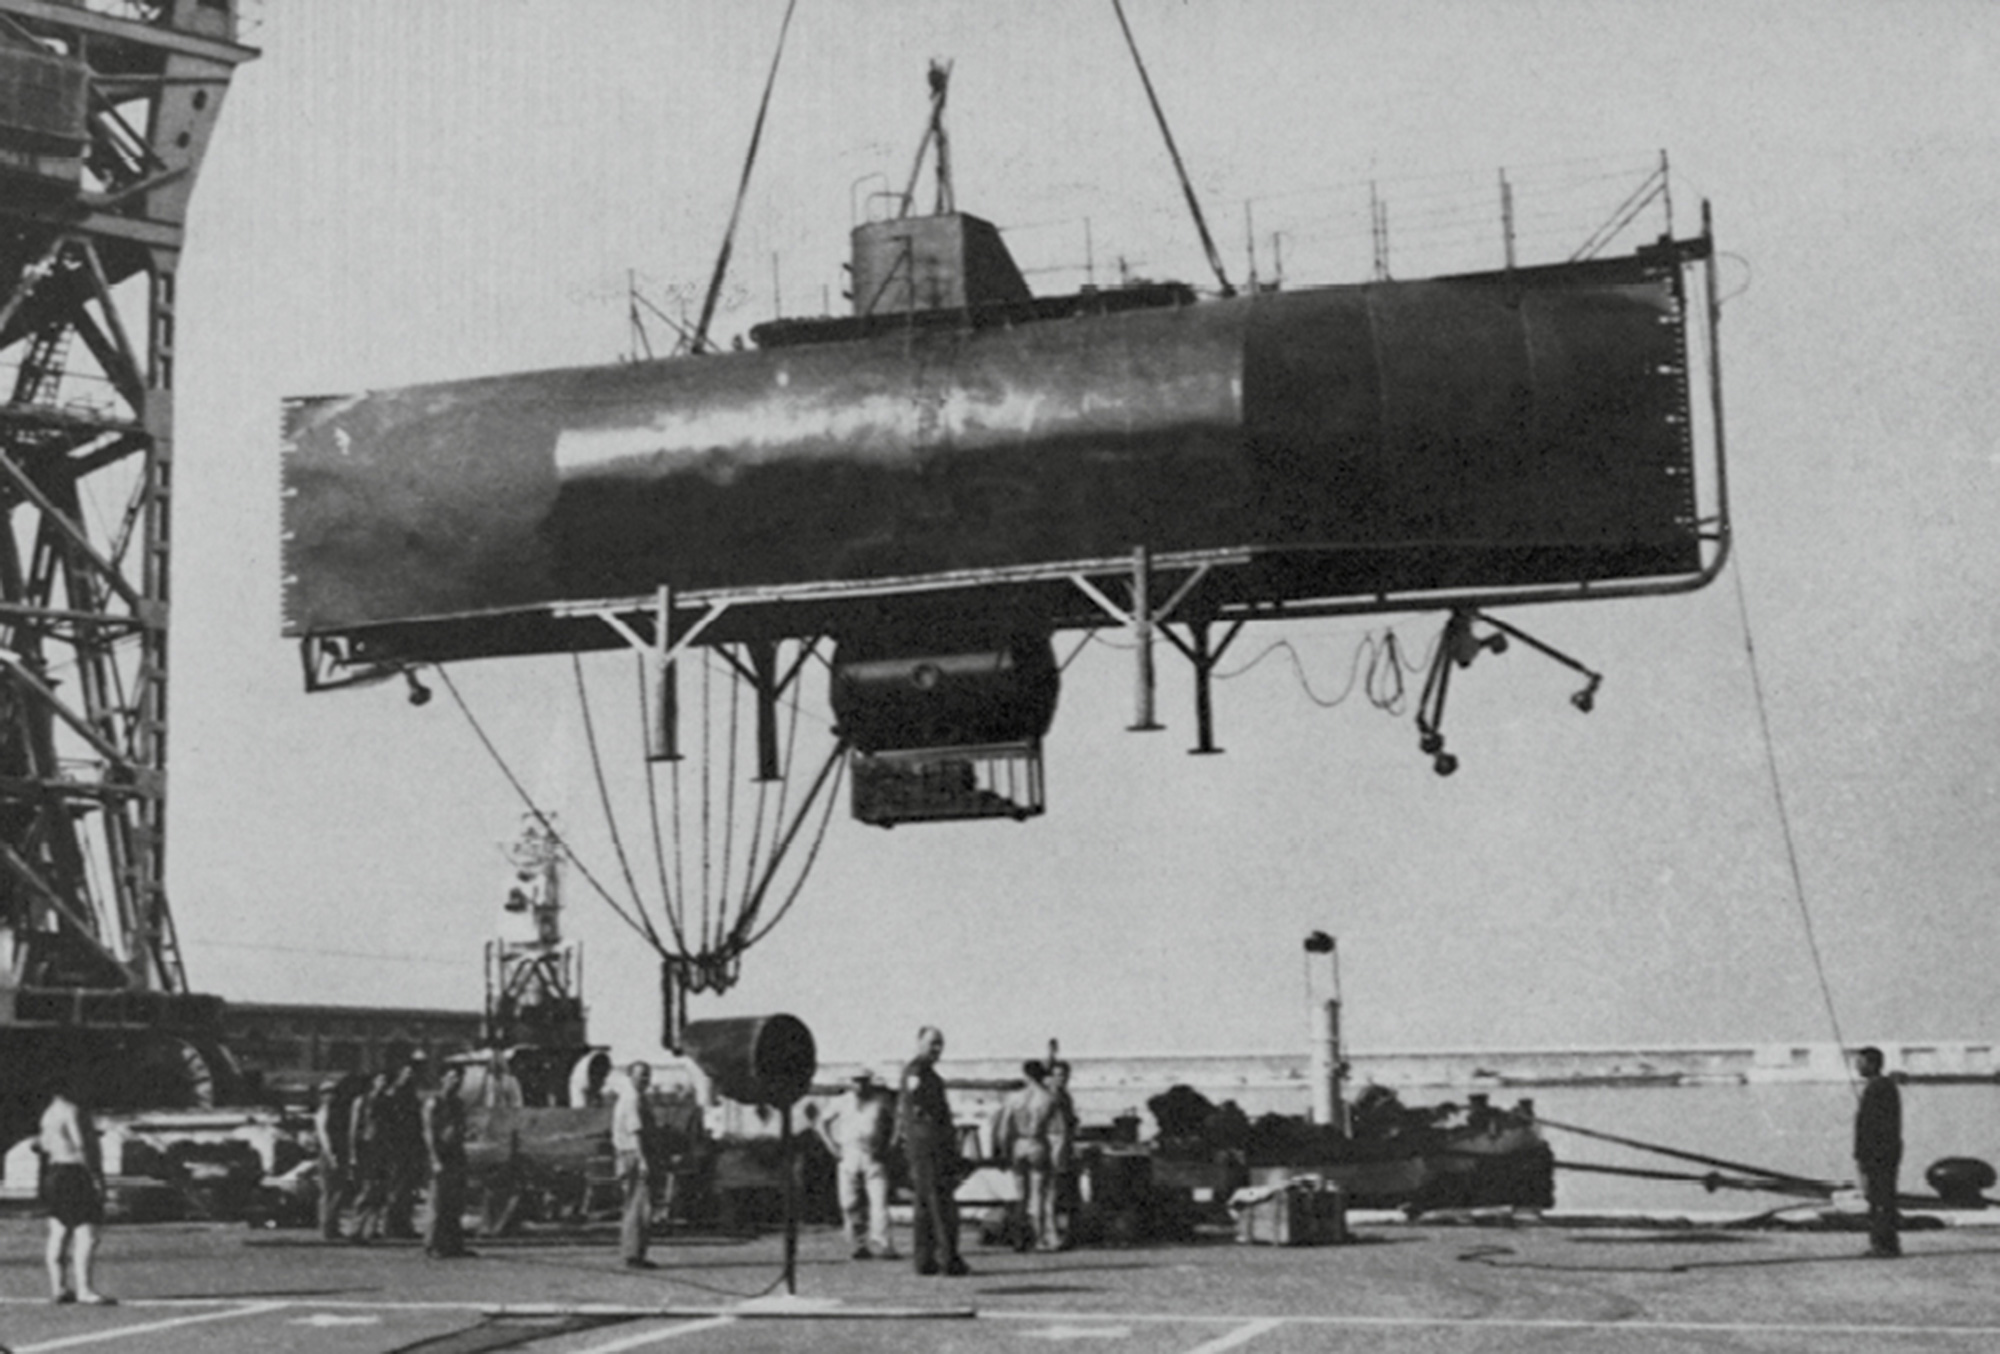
(407, 192)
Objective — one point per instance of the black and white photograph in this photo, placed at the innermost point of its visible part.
(1183, 675)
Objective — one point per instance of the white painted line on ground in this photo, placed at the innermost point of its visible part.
(1242, 1335)
(1510, 1323)
(100, 1337)
(659, 1337)
(1077, 1332)
(335, 1319)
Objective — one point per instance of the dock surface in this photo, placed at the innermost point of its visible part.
(214, 1288)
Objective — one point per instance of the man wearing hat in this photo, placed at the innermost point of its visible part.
(858, 1131)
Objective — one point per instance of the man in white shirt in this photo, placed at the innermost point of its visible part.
(631, 1138)
(859, 1130)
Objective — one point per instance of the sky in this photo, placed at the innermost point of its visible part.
(404, 192)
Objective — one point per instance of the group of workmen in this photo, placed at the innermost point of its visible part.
(380, 1137)
(1034, 1133)
(382, 1141)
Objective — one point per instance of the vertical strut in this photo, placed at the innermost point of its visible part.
(1142, 640)
(1203, 659)
(664, 741)
(764, 669)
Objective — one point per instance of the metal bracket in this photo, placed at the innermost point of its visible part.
(1141, 618)
(664, 651)
(1457, 648)
(329, 666)
(762, 674)
(1203, 660)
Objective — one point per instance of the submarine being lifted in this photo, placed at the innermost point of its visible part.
(943, 479)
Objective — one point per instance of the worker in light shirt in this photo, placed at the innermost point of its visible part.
(859, 1130)
(631, 1141)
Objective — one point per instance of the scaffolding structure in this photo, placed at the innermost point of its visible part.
(106, 111)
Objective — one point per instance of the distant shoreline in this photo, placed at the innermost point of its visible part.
(1475, 1070)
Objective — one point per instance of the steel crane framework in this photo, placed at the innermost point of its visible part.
(106, 110)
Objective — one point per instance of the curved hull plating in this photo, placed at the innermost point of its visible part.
(1498, 430)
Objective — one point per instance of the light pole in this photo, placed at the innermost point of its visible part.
(1326, 1067)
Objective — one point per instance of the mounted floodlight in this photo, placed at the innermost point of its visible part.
(757, 1060)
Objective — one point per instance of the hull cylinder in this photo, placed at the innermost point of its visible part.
(1497, 430)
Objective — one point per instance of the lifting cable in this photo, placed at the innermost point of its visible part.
(729, 773)
(719, 938)
(604, 801)
(1187, 189)
(764, 802)
(836, 764)
(1784, 814)
(700, 341)
(726, 940)
(707, 815)
(644, 931)
(675, 910)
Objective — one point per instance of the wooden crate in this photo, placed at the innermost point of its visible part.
(1296, 1213)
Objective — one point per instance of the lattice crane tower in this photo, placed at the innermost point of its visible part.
(106, 109)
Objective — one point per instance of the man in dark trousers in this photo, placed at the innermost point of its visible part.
(1878, 1151)
(331, 1123)
(929, 1141)
(368, 1160)
(444, 1135)
(402, 1127)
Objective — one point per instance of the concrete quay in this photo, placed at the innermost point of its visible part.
(1502, 1284)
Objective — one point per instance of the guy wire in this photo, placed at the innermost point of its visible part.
(1784, 814)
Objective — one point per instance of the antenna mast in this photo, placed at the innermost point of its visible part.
(940, 77)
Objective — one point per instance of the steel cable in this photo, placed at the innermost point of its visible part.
(1784, 813)
(671, 904)
(604, 801)
(536, 809)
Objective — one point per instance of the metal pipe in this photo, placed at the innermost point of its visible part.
(1142, 641)
(1822, 1186)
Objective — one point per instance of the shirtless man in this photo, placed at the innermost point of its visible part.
(74, 1189)
(1021, 1134)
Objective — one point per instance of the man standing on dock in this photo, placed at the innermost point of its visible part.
(1878, 1152)
(444, 1137)
(631, 1141)
(859, 1130)
(73, 1186)
(925, 1132)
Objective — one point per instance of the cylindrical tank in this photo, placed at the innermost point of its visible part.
(758, 1060)
(898, 690)
(1495, 430)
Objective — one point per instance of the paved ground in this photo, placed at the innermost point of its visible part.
(1402, 1289)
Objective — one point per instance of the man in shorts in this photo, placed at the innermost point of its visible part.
(73, 1186)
